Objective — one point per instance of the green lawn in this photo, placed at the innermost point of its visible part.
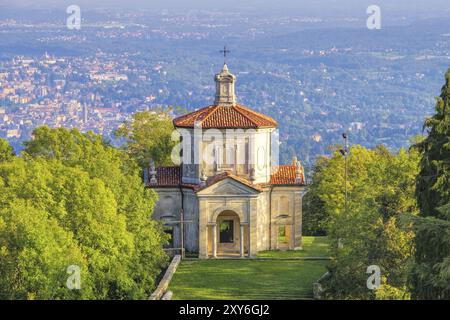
(312, 247)
(245, 279)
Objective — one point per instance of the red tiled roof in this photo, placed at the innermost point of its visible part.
(171, 177)
(225, 175)
(225, 117)
(285, 175)
(166, 177)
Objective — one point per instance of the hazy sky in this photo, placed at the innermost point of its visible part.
(393, 11)
(316, 6)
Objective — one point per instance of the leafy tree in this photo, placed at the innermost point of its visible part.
(149, 136)
(314, 213)
(431, 274)
(387, 292)
(374, 230)
(94, 193)
(6, 151)
(35, 253)
(120, 175)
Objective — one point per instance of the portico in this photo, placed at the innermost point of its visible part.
(229, 237)
(226, 207)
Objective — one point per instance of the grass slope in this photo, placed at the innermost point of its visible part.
(245, 279)
(252, 279)
(312, 247)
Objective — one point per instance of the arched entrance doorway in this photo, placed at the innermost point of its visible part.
(228, 236)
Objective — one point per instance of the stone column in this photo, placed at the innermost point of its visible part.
(203, 231)
(253, 227)
(249, 240)
(242, 241)
(214, 242)
(298, 218)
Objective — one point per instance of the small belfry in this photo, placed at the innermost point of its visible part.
(225, 88)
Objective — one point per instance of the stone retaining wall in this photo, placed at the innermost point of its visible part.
(165, 281)
(317, 287)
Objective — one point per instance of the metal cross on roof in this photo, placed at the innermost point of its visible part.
(225, 52)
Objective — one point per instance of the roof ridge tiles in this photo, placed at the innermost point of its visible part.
(217, 116)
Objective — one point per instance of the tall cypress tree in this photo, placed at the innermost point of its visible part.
(431, 273)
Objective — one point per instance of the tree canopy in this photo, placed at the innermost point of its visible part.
(431, 274)
(74, 200)
(374, 229)
(314, 213)
(6, 151)
(148, 136)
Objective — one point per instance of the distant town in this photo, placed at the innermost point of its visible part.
(318, 81)
(45, 91)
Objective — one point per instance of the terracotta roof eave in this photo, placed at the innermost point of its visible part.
(226, 175)
(217, 116)
(289, 185)
(227, 127)
(241, 109)
(170, 177)
(152, 186)
(257, 187)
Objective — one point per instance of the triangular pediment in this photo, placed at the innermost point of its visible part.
(227, 187)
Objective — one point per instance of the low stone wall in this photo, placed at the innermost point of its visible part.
(317, 287)
(167, 296)
(165, 281)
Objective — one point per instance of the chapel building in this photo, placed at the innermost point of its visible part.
(229, 196)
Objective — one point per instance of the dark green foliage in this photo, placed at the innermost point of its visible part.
(375, 228)
(314, 212)
(433, 181)
(431, 273)
(6, 151)
(149, 137)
